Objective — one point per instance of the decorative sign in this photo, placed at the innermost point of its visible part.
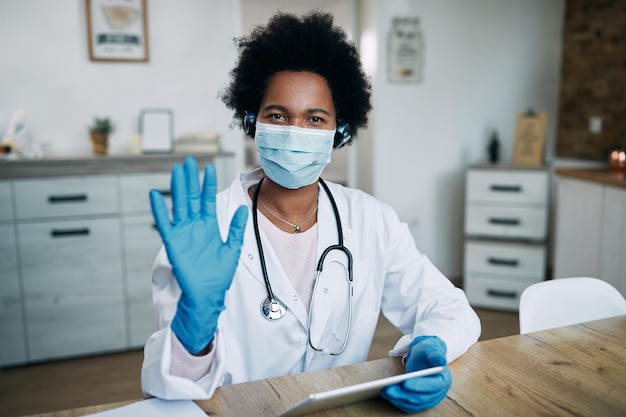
(529, 138)
(406, 50)
(117, 30)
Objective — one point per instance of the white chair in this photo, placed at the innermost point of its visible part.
(565, 301)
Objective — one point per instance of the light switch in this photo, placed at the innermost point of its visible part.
(595, 125)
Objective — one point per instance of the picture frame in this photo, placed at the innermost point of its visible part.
(156, 127)
(117, 30)
(405, 51)
(530, 132)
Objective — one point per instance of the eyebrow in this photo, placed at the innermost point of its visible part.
(284, 109)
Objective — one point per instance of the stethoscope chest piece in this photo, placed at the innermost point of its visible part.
(273, 309)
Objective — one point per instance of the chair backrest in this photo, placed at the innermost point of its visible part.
(565, 301)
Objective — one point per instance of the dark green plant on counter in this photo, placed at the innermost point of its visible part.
(102, 125)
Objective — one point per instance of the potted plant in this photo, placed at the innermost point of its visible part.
(100, 130)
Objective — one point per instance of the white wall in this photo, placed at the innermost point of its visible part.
(485, 61)
(45, 69)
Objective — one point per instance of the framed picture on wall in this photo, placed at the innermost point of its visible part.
(117, 30)
(405, 53)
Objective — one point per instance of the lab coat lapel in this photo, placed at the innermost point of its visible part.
(323, 325)
(249, 253)
(281, 285)
(326, 236)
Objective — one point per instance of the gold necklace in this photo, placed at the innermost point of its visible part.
(296, 227)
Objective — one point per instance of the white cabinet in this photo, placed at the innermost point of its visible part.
(72, 278)
(69, 245)
(613, 254)
(590, 237)
(77, 254)
(506, 219)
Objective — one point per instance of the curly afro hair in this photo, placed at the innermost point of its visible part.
(299, 43)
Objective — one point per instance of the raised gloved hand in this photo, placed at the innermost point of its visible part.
(203, 265)
(421, 393)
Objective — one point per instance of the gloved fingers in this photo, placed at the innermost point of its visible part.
(429, 384)
(209, 190)
(410, 402)
(159, 212)
(193, 186)
(237, 227)
(435, 357)
(426, 352)
(179, 194)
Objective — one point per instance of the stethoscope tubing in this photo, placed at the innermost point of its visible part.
(271, 300)
(257, 235)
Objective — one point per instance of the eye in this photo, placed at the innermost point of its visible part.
(277, 117)
(316, 122)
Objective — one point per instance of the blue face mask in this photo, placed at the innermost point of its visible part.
(293, 156)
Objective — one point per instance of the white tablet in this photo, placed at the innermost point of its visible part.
(352, 394)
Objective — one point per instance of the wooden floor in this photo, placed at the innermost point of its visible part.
(80, 382)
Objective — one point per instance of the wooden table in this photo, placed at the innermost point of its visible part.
(577, 370)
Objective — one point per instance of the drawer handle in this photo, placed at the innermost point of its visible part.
(70, 198)
(506, 222)
(506, 188)
(84, 231)
(503, 262)
(502, 294)
(165, 193)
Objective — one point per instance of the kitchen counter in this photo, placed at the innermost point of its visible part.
(91, 165)
(602, 176)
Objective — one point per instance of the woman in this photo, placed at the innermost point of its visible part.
(237, 288)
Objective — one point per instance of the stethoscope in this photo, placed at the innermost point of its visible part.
(274, 309)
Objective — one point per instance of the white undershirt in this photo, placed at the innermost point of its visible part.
(297, 255)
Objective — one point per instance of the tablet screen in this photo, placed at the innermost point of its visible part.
(351, 394)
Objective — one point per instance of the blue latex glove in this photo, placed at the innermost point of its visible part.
(203, 265)
(421, 393)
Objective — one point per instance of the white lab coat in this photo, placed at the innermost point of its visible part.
(389, 273)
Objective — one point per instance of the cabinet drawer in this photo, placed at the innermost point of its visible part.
(492, 292)
(73, 293)
(66, 196)
(505, 259)
(75, 323)
(135, 190)
(507, 186)
(6, 202)
(73, 255)
(501, 221)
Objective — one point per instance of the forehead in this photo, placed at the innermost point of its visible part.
(297, 90)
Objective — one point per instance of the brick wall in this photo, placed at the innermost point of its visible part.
(593, 79)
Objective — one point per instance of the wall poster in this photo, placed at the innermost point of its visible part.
(530, 134)
(405, 51)
(117, 30)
